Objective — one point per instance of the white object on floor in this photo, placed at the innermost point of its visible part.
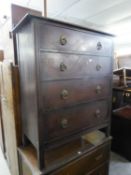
(4, 170)
(119, 165)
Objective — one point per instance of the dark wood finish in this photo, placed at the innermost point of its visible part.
(121, 97)
(17, 13)
(121, 131)
(96, 158)
(93, 159)
(102, 170)
(64, 74)
(64, 122)
(127, 96)
(76, 66)
(64, 93)
(28, 78)
(16, 102)
(118, 98)
(77, 170)
(123, 112)
(52, 37)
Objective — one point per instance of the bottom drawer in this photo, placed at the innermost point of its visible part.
(95, 162)
(101, 170)
(87, 163)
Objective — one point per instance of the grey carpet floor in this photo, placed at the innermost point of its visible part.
(119, 165)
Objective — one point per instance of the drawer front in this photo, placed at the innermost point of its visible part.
(63, 39)
(55, 66)
(56, 94)
(86, 164)
(68, 121)
(102, 170)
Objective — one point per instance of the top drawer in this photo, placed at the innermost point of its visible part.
(62, 39)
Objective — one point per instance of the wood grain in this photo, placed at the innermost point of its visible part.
(8, 115)
(1, 55)
(2, 138)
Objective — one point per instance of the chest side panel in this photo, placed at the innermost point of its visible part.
(28, 85)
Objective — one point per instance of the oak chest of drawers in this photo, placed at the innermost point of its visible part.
(65, 80)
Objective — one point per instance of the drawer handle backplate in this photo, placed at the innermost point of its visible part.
(99, 46)
(63, 67)
(98, 89)
(64, 94)
(98, 67)
(63, 40)
(98, 113)
(64, 123)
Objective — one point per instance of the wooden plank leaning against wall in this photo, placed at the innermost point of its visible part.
(2, 138)
(10, 113)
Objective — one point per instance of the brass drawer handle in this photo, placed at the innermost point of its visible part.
(63, 40)
(98, 113)
(64, 123)
(99, 157)
(63, 67)
(98, 89)
(99, 46)
(64, 94)
(98, 67)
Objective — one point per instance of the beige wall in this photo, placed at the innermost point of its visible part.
(124, 61)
